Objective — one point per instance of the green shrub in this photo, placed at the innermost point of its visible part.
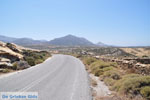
(35, 57)
(30, 60)
(76, 55)
(102, 64)
(113, 64)
(131, 84)
(124, 78)
(14, 67)
(111, 76)
(99, 67)
(109, 81)
(130, 76)
(145, 92)
(89, 60)
(98, 64)
(5, 71)
(98, 72)
(114, 74)
(38, 61)
(108, 68)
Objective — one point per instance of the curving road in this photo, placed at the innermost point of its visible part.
(61, 77)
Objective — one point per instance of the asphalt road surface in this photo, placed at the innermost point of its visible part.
(61, 77)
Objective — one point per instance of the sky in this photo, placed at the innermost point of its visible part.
(114, 22)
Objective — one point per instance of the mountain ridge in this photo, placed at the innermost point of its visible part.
(68, 40)
(71, 40)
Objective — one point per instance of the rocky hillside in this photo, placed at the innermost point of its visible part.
(14, 57)
(108, 51)
(139, 52)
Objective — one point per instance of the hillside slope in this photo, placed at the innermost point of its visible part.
(71, 40)
(14, 57)
(140, 52)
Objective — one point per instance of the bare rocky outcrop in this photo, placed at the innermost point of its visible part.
(6, 52)
(9, 53)
(14, 47)
(21, 65)
(14, 57)
(5, 63)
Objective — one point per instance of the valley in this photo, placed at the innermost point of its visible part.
(109, 68)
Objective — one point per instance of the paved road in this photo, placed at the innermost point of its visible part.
(61, 77)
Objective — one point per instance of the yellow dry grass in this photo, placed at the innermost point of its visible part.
(137, 51)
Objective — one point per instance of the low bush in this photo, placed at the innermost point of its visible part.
(97, 71)
(100, 64)
(89, 60)
(109, 81)
(145, 92)
(113, 64)
(5, 70)
(38, 61)
(99, 67)
(76, 55)
(14, 67)
(111, 76)
(132, 85)
(35, 57)
(114, 74)
(30, 60)
(108, 68)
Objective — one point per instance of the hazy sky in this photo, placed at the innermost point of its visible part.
(116, 22)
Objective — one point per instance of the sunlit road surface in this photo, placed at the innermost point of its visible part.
(61, 77)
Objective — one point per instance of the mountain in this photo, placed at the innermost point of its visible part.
(68, 40)
(21, 41)
(7, 39)
(28, 41)
(71, 40)
(101, 44)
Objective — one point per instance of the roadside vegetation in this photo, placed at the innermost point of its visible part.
(125, 84)
(35, 57)
(30, 58)
(14, 57)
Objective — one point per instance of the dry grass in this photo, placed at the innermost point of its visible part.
(140, 52)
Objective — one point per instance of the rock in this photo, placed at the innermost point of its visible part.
(14, 47)
(131, 65)
(2, 44)
(5, 60)
(21, 65)
(9, 53)
(6, 52)
(5, 65)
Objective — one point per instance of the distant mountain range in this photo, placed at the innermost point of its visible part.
(7, 39)
(68, 40)
(71, 40)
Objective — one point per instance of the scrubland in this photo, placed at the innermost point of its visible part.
(125, 85)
